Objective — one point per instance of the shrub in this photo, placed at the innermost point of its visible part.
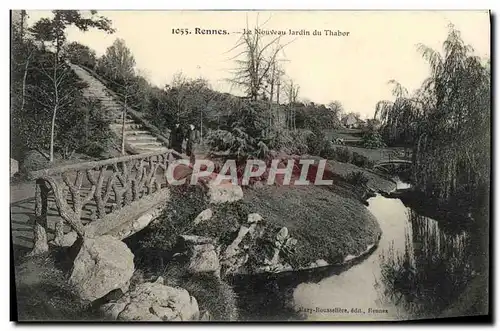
(361, 161)
(317, 143)
(343, 154)
(356, 178)
(372, 139)
(153, 244)
(32, 161)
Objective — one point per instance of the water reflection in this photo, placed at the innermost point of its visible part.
(417, 271)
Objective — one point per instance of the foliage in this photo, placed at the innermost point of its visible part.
(362, 161)
(447, 122)
(372, 140)
(32, 161)
(80, 54)
(92, 137)
(44, 89)
(344, 154)
(356, 178)
(118, 62)
(256, 62)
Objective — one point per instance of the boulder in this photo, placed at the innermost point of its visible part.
(224, 192)
(254, 218)
(153, 302)
(203, 216)
(102, 265)
(201, 254)
(203, 259)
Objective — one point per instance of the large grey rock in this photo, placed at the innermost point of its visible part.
(153, 302)
(224, 193)
(201, 254)
(203, 259)
(203, 216)
(102, 265)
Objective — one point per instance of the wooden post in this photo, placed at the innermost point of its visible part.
(40, 245)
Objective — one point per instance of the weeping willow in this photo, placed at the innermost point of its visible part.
(447, 122)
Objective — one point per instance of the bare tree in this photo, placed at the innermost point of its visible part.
(55, 93)
(292, 94)
(255, 61)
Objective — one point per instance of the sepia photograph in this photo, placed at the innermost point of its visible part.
(250, 165)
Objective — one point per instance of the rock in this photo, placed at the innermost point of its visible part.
(203, 216)
(66, 240)
(190, 240)
(282, 235)
(224, 193)
(203, 259)
(102, 265)
(14, 167)
(321, 263)
(153, 302)
(291, 242)
(254, 218)
(232, 249)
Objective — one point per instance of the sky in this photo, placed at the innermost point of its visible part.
(354, 68)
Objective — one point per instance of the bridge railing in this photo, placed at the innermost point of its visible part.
(98, 188)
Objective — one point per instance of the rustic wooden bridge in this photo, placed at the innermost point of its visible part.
(116, 197)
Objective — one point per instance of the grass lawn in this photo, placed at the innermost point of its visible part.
(328, 223)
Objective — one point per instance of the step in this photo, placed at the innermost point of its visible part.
(148, 150)
(145, 144)
(118, 120)
(137, 132)
(142, 137)
(130, 126)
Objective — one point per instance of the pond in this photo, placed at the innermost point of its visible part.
(417, 271)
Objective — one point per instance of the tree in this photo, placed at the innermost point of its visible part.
(255, 62)
(400, 118)
(56, 70)
(337, 109)
(118, 63)
(451, 150)
(292, 94)
(54, 30)
(80, 54)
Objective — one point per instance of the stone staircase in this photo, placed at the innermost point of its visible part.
(138, 139)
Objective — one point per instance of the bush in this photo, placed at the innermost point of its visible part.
(343, 154)
(356, 178)
(362, 161)
(372, 139)
(317, 143)
(91, 136)
(32, 161)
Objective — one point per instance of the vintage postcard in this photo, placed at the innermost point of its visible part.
(250, 165)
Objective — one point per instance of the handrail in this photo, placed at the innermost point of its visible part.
(95, 164)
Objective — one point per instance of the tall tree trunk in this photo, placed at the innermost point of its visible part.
(124, 114)
(54, 112)
(52, 131)
(23, 98)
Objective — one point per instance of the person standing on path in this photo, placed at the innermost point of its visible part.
(190, 137)
(176, 138)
